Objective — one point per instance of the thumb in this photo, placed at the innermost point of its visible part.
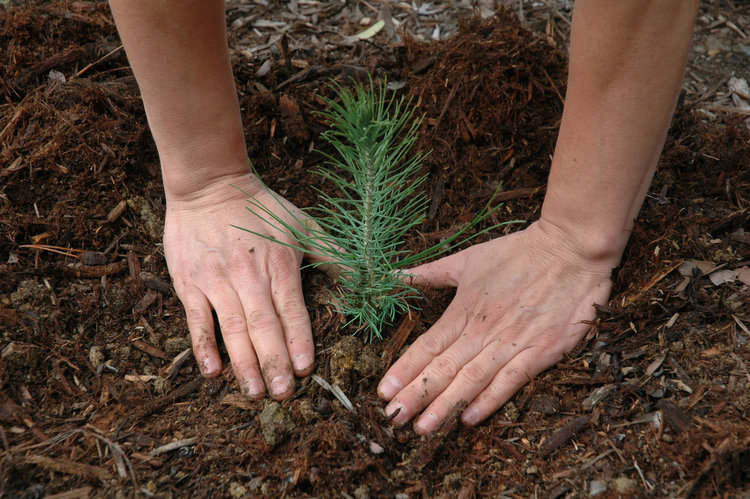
(441, 273)
(324, 263)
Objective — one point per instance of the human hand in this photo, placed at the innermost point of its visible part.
(521, 301)
(253, 284)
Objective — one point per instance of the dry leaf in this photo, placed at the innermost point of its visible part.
(722, 276)
(371, 31)
(687, 267)
(743, 274)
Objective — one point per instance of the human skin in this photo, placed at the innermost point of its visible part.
(524, 299)
(521, 300)
(179, 55)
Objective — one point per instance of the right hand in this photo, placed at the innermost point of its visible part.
(253, 284)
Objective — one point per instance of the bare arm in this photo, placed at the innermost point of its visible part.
(522, 300)
(179, 55)
(178, 52)
(627, 62)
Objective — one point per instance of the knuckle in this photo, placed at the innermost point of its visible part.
(295, 319)
(282, 260)
(474, 373)
(430, 344)
(515, 375)
(233, 325)
(262, 321)
(445, 366)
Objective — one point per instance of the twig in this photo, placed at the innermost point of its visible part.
(186, 442)
(451, 95)
(646, 483)
(335, 390)
(426, 452)
(729, 109)
(554, 87)
(169, 398)
(78, 74)
(561, 436)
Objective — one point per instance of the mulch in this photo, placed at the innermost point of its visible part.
(99, 394)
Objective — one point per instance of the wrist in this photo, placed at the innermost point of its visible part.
(209, 182)
(598, 246)
(191, 165)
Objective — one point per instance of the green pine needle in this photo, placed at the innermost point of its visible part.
(361, 229)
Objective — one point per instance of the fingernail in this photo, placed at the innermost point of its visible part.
(209, 366)
(254, 388)
(427, 423)
(279, 385)
(389, 387)
(470, 416)
(399, 418)
(302, 362)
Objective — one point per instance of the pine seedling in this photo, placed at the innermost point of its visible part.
(361, 229)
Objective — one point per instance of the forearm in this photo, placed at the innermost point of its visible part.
(626, 66)
(178, 52)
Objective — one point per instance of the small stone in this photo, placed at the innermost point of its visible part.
(532, 470)
(511, 411)
(123, 352)
(16, 353)
(401, 495)
(376, 448)
(362, 492)
(255, 484)
(27, 291)
(667, 438)
(275, 423)
(452, 480)
(237, 489)
(624, 484)
(174, 346)
(596, 488)
(307, 411)
(96, 356)
(161, 385)
(152, 222)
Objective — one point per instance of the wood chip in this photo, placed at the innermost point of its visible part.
(653, 366)
(239, 401)
(118, 210)
(177, 362)
(79, 493)
(146, 301)
(561, 436)
(186, 442)
(597, 396)
(148, 348)
(675, 416)
(68, 467)
(426, 451)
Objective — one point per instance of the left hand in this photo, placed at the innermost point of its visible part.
(522, 300)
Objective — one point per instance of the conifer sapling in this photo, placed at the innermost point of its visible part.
(361, 229)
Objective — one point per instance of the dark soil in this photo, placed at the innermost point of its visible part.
(94, 380)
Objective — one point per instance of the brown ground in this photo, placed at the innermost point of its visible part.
(656, 403)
